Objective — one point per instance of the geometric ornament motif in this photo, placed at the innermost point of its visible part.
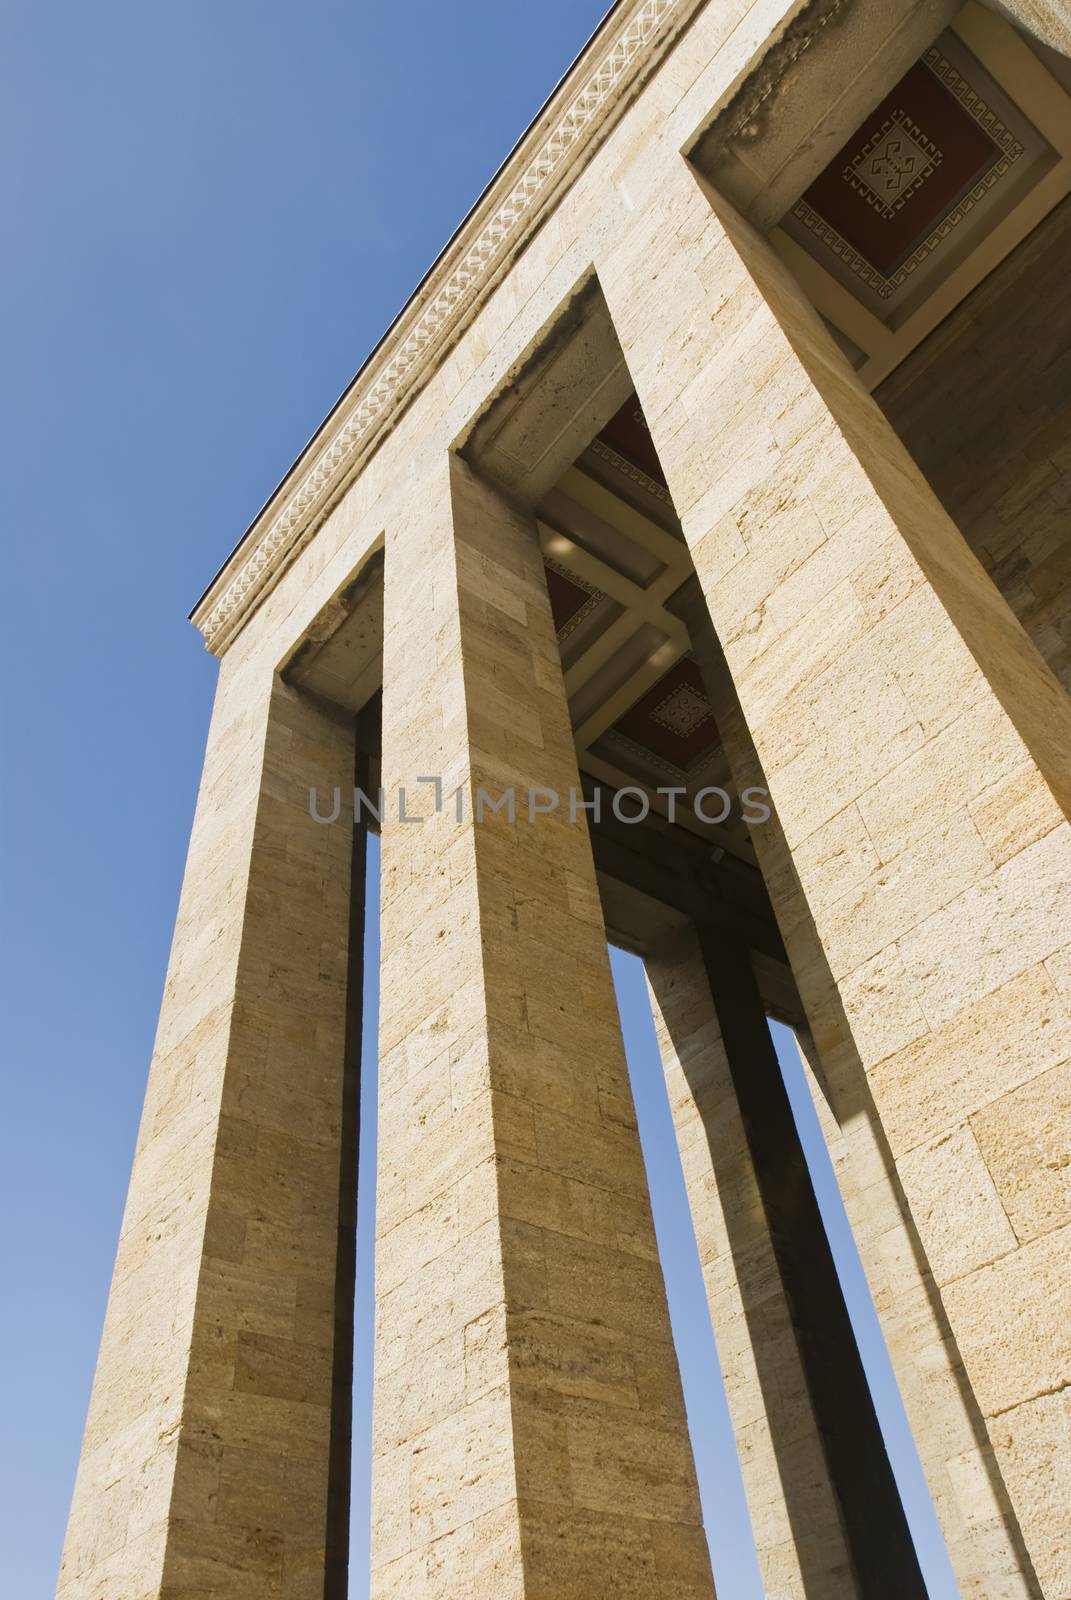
(682, 711)
(895, 162)
(671, 727)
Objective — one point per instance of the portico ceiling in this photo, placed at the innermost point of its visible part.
(615, 558)
(945, 175)
(942, 176)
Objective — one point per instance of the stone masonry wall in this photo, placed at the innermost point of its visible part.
(833, 628)
(204, 1467)
(984, 406)
(916, 751)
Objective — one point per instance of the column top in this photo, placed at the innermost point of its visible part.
(630, 41)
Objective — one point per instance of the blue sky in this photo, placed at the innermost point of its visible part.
(213, 211)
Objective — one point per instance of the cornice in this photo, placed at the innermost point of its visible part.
(745, 116)
(629, 44)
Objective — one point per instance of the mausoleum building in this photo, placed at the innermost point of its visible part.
(688, 568)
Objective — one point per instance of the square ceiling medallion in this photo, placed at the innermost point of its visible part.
(893, 163)
(670, 728)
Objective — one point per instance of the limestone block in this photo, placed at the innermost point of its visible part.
(1016, 1343)
(1033, 1445)
(945, 1075)
(1025, 1140)
(956, 1205)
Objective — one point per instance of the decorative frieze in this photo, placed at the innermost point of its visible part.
(456, 288)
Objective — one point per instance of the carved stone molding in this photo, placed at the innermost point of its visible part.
(437, 314)
(621, 464)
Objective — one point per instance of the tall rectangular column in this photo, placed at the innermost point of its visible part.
(824, 1505)
(529, 1431)
(917, 752)
(959, 1462)
(205, 1464)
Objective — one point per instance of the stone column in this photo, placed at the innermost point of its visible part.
(824, 1505)
(205, 1462)
(961, 1470)
(529, 1433)
(917, 752)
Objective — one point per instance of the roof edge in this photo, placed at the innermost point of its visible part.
(629, 42)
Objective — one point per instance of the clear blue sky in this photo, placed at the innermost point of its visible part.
(212, 212)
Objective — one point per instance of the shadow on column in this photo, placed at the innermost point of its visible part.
(842, 1076)
(875, 1528)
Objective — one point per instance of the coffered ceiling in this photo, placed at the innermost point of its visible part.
(945, 175)
(615, 558)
